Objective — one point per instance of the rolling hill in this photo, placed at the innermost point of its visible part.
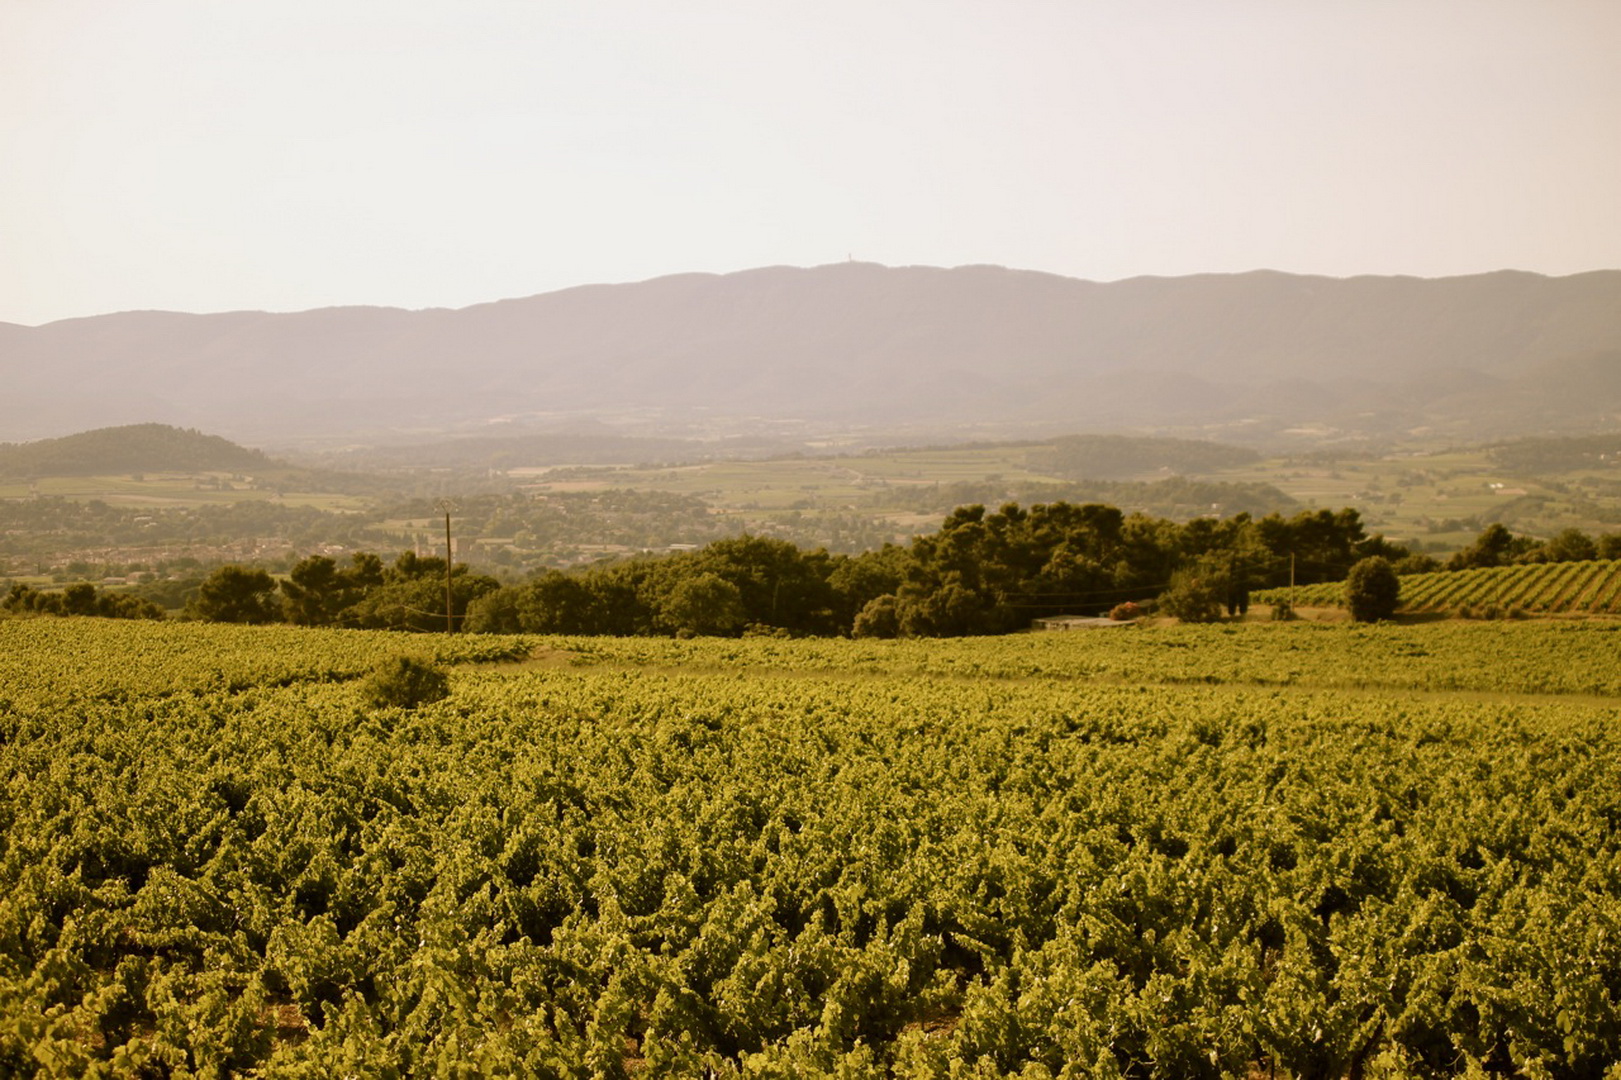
(130, 449)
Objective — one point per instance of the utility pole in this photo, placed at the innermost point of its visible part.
(445, 506)
(1291, 581)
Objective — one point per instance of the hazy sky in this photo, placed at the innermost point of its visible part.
(205, 155)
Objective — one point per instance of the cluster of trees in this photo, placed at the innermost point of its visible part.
(80, 599)
(408, 594)
(980, 573)
(1497, 546)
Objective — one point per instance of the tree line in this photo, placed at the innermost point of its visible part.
(81, 598)
(980, 572)
(1497, 546)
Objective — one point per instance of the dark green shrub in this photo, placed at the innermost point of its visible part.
(1195, 596)
(405, 682)
(879, 619)
(1372, 590)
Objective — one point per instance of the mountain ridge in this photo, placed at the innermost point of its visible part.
(845, 343)
(1258, 272)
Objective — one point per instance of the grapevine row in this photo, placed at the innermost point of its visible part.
(1537, 588)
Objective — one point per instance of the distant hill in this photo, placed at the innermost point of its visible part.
(519, 451)
(1546, 398)
(1120, 457)
(856, 344)
(135, 448)
(1532, 457)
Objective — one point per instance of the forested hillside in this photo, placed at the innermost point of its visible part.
(130, 449)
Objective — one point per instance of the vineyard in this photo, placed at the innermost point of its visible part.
(1535, 588)
(1234, 851)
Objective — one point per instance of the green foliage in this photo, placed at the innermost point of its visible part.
(1495, 546)
(558, 604)
(1530, 588)
(1569, 545)
(950, 609)
(880, 618)
(236, 594)
(1372, 590)
(316, 591)
(411, 596)
(979, 573)
(80, 599)
(1323, 545)
(814, 857)
(1416, 564)
(857, 581)
(1196, 595)
(404, 682)
(703, 604)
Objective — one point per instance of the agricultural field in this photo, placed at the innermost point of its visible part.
(188, 489)
(1434, 498)
(773, 493)
(1591, 587)
(1440, 499)
(523, 518)
(1242, 850)
(781, 483)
